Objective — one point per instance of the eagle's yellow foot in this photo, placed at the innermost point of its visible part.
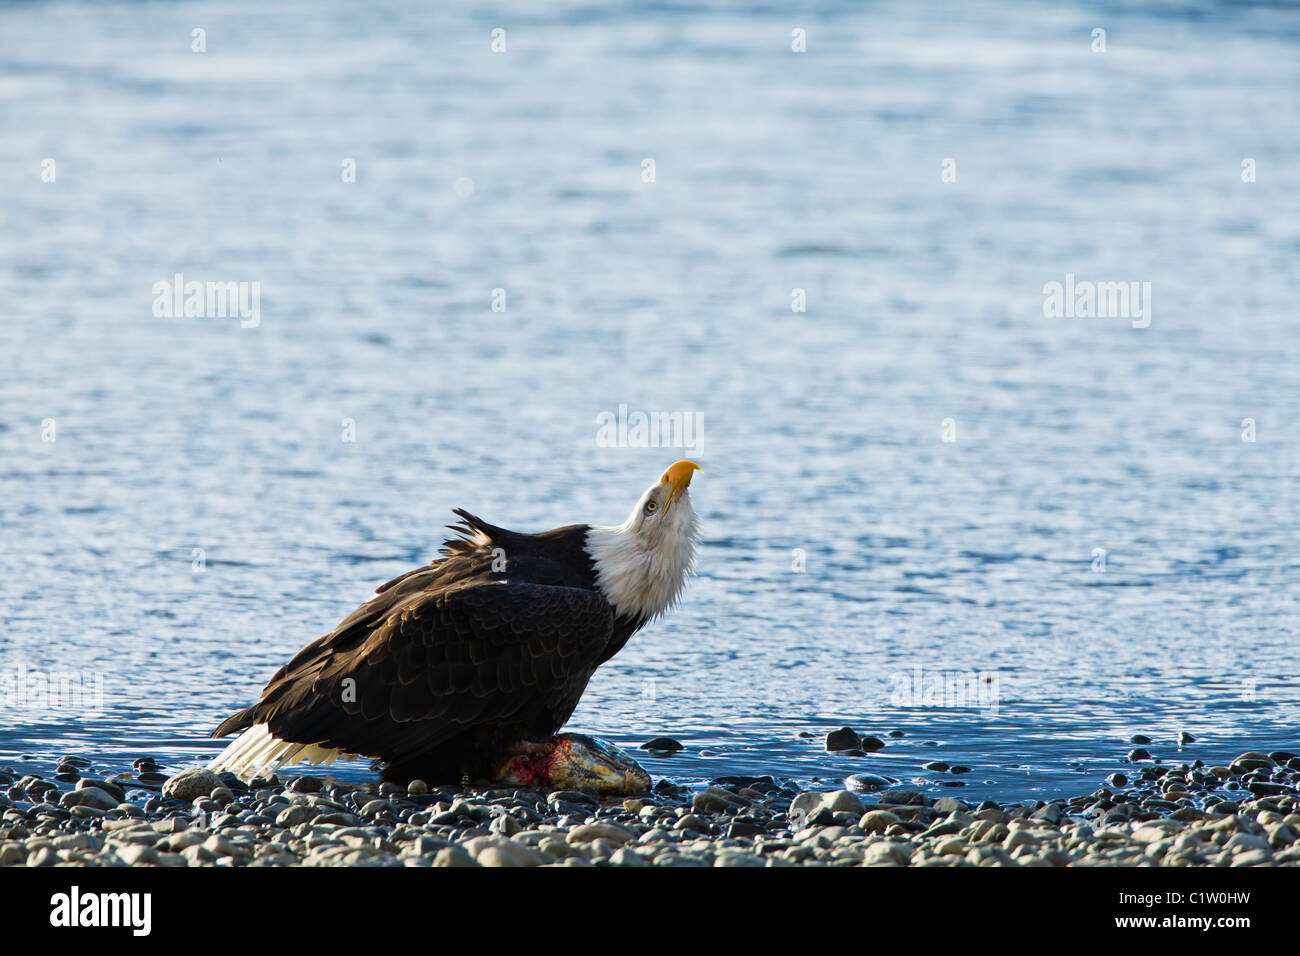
(573, 762)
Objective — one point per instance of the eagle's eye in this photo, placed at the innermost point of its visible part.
(651, 506)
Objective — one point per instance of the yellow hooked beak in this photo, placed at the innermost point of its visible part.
(677, 477)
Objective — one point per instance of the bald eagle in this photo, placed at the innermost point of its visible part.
(481, 655)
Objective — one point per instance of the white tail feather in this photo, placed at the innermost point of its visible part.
(255, 753)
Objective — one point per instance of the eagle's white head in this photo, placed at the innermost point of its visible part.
(642, 564)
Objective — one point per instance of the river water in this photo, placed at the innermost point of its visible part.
(931, 505)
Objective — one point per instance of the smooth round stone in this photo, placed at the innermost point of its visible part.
(1139, 739)
(291, 817)
(1251, 760)
(111, 787)
(505, 824)
(1185, 738)
(871, 744)
(1117, 780)
(938, 766)
(189, 784)
(843, 801)
(1264, 789)
(89, 797)
(877, 821)
(867, 782)
(1138, 754)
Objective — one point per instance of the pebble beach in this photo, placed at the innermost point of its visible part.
(1246, 813)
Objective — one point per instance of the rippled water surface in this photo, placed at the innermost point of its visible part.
(971, 562)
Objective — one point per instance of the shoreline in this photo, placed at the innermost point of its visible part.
(1243, 814)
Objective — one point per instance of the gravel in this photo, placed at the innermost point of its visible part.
(1243, 814)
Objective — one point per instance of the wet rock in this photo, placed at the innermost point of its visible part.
(867, 782)
(662, 745)
(1262, 788)
(903, 798)
(1139, 739)
(843, 739)
(1138, 754)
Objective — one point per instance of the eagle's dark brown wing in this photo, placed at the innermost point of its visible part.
(428, 659)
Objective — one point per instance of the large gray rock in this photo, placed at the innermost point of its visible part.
(191, 784)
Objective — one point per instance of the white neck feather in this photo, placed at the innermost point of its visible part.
(641, 565)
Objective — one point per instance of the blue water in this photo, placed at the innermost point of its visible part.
(822, 430)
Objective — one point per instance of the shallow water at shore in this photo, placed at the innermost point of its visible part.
(198, 517)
